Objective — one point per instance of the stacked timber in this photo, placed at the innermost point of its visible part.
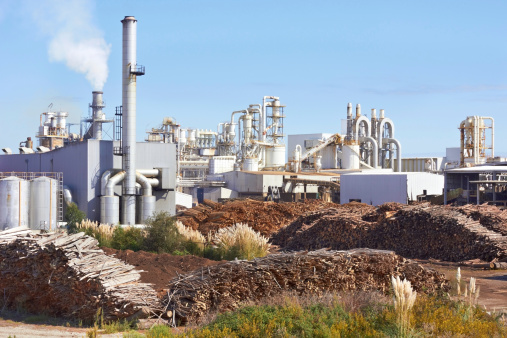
(226, 286)
(264, 217)
(489, 216)
(69, 276)
(421, 231)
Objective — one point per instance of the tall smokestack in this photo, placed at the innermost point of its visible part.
(97, 114)
(129, 75)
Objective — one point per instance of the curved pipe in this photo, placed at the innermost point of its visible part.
(145, 183)
(357, 124)
(107, 175)
(398, 152)
(116, 179)
(374, 146)
(380, 128)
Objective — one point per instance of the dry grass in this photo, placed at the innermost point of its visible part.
(404, 300)
(189, 234)
(242, 240)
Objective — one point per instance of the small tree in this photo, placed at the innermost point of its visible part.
(162, 234)
(73, 216)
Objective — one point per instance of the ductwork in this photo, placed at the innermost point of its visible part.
(146, 207)
(398, 153)
(374, 146)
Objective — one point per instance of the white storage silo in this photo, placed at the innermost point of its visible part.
(251, 164)
(43, 203)
(14, 199)
(350, 156)
(275, 156)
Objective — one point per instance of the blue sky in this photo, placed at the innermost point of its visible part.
(429, 64)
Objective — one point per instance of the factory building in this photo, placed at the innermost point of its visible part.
(125, 181)
(376, 188)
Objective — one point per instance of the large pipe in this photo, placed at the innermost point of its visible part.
(107, 174)
(398, 152)
(374, 146)
(129, 118)
(113, 181)
(97, 115)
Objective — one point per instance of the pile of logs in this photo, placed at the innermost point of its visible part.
(420, 231)
(226, 286)
(489, 216)
(264, 217)
(69, 276)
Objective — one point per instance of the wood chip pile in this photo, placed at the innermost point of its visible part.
(225, 286)
(420, 231)
(264, 217)
(69, 276)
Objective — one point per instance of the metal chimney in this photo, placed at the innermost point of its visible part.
(129, 75)
(98, 116)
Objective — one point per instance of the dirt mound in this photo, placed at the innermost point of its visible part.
(265, 217)
(225, 286)
(159, 269)
(420, 231)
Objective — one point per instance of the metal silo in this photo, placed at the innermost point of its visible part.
(14, 199)
(43, 203)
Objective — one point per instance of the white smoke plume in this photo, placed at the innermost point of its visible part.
(74, 40)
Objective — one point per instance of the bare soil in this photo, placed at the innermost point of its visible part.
(159, 269)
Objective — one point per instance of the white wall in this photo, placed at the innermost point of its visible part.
(378, 188)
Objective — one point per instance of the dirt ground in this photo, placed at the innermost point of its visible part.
(159, 269)
(493, 283)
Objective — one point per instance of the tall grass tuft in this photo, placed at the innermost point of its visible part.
(102, 232)
(240, 241)
(404, 299)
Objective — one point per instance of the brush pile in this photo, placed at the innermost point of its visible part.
(225, 286)
(264, 217)
(421, 231)
(69, 276)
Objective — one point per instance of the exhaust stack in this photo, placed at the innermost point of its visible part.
(129, 75)
(98, 116)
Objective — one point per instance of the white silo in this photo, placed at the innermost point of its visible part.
(14, 199)
(43, 203)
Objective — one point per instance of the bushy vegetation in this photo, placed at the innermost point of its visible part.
(345, 316)
(73, 216)
(163, 234)
(238, 241)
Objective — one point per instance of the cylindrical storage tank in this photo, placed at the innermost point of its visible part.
(350, 157)
(54, 121)
(251, 164)
(275, 156)
(14, 199)
(62, 119)
(146, 208)
(191, 136)
(43, 203)
(110, 210)
(183, 137)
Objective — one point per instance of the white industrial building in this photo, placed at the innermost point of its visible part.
(376, 188)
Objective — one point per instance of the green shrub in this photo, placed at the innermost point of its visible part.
(129, 238)
(73, 216)
(162, 234)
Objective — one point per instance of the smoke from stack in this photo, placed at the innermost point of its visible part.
(74, 40)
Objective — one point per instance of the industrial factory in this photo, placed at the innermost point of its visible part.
(122, 181)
